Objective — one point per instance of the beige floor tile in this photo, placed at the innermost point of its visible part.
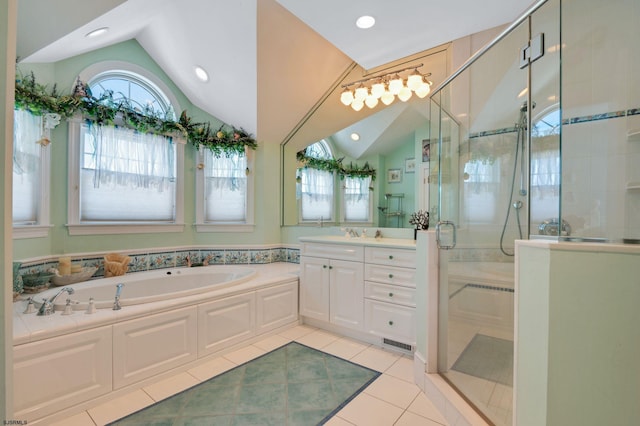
(297, 331)
(318, 339)
(411, 419)
(423, 407)
(376, 359)
(82, 419)
(393, 390)
(171, 386)
(345, 348)
(245, 354)
(212, 368)
(338, 421)
(120, 407)
(402, 369)
(272, 342)
(367, 410)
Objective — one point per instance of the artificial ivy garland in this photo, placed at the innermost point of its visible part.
(335, 165)
(34, 98)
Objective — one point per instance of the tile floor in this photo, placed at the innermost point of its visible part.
(392, 399)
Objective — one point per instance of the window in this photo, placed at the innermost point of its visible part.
(481, 184)
(30, 176)
(316, 187)
(125, 181)
(357, 200)
(225, 192)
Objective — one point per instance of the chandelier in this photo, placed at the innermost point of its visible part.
(385, 88)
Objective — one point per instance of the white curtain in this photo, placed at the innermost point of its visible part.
(481, 185)
(317, 194)
(225, 187)
(357, 199)
(127, 175)
(26, 166)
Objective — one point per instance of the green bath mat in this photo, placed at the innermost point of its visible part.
(291, 385)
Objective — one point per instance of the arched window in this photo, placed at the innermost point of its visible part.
(316, 187)
(124, 177)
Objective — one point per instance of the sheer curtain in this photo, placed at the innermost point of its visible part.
(357, 205)
(316, 189)
(225, 188)
(26, 167)
(127, 175)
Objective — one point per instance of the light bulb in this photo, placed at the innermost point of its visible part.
(424, 89)
(357, 104)
(387, 97)
(361, 93)
(395, 84)
(405, 94)
(371, 101)
(377, 89)
(346, 97)
(414, 80)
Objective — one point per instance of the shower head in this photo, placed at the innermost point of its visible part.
(524, 106)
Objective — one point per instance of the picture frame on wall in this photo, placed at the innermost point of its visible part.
(394, 175)
(426, 150)
(410, 165)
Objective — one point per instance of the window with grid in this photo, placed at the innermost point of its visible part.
(357, 200)
(316, 187)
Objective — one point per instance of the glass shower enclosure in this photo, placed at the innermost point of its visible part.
(496, 171)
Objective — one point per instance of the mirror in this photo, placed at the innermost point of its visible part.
(391, 140)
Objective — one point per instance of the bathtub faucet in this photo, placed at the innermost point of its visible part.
(116, 302)
(47, 305)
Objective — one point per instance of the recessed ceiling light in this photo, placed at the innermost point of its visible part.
(201, 74)
(365, 22)
(97, 33)
(355, 136)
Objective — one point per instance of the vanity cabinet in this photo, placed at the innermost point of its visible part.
(362, 286)
(331, 289)
(390, 295)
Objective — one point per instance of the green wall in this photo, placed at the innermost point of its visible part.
(266, 177)
(396, 160)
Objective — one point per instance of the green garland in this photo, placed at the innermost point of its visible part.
(335, 165)
(35, 98)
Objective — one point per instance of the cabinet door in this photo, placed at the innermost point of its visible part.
(277, 306)
(314, 288)
(347, 294)
(393, 321)
(57, 373)
(224, 322)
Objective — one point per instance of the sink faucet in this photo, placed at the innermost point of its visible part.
(116, 302)
(351, 232)
(47, 305)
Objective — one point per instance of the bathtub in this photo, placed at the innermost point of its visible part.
(149, 286)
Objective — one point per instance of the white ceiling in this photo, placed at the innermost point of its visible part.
(225, 37)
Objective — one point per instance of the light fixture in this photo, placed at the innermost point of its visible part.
(365, 22)
(201, 73)
(97, 33)
(385, 88)
(355, 136)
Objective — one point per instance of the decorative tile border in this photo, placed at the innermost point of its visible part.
(481, 286)
(565, 122)
(147, 261)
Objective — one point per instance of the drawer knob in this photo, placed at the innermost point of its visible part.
(390, 275)
(390, 257)
(390, 294)
(324, 266)
(390, 322)
(330, 267)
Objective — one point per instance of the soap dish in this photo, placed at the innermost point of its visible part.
(85, 274)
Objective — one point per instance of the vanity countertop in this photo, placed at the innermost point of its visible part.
(366, 241)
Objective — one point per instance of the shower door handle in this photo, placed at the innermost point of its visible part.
(441, 228)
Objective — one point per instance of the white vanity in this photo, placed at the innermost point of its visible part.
(360, 287)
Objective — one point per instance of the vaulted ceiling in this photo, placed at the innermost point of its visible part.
(270, 62)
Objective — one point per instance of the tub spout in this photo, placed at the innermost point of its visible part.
(116, 302)
(47, 305)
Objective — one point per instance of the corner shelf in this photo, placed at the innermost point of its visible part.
(633, 186)
(633, 135)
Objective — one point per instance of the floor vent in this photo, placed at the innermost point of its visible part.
(400, 345)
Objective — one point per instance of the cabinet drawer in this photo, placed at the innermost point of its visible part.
(390, 275)
(333, 251)
(391, 321)
(390, 256)
(389, 293)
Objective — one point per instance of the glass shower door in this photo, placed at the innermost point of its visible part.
(483, 208)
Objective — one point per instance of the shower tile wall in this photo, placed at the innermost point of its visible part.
(600, 65)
